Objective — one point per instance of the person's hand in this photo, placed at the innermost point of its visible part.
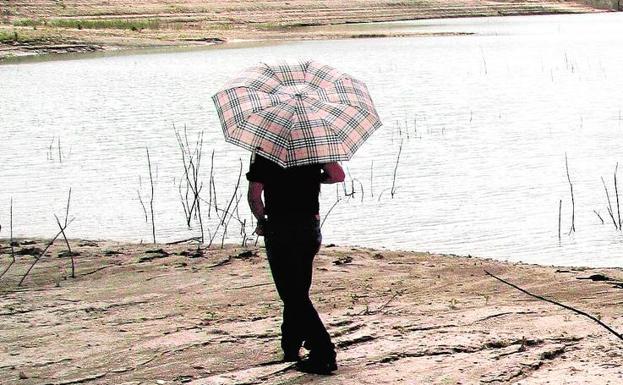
(259, 229)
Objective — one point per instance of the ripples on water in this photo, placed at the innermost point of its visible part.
(485, 121)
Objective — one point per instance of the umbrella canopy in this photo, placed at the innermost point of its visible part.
(297, 114)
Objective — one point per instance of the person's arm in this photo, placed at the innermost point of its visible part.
(332, 173)
(254, 196)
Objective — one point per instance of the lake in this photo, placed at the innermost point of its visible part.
(484, 120)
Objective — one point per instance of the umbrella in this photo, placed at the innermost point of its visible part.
(297, 114)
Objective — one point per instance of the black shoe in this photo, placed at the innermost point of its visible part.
(317, 365)
(291, 357)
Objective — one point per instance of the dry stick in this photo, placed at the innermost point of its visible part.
(572, 228)
(142, 205)
(559, 304)
(609, 204)
(10, 240)
(231, 215)
(40, 255)
(63, 227)
(210, 184)
(191, 161)
(73, 270)
(329, 212)
(393, 189)
(599, 216)
(616, 193)
(60, 153)
(226, 211)
(199, 187)
(151, 198)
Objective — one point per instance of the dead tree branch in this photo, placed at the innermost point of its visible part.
(610, 212)
(338, 200)
(558, 304)
(223, 219)
(151, 198)
(37, 258)
(572, 229)
(62, 228)
(393, 189)
(191, 160)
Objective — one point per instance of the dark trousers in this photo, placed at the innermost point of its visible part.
(291, 247)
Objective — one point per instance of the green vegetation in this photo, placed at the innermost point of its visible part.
(270, 26)
(9, 37)
(133, 24)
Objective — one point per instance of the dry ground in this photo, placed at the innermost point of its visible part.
(167, 314)
(44, 26)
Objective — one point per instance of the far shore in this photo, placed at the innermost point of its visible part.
(185, 314)
(42, 28)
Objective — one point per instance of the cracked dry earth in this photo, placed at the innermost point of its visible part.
(167, 314)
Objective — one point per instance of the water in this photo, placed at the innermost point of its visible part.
(485, 121)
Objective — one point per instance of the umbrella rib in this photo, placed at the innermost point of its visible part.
(273, 73)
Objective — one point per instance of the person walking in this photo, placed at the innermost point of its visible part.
(288, 218)
(298, 120)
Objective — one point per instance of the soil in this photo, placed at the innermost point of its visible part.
(178, 314)
(42, 26)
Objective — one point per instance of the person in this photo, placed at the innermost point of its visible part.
(289, 220)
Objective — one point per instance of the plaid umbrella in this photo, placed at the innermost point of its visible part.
(297, 114)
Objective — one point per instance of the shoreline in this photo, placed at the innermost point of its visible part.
(175, 314)
(40, 32)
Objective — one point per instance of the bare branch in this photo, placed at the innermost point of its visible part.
(151, 198)
(393, 189)
(572, 229)
(558, 304)
(609, 204)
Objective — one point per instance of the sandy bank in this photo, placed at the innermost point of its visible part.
(40, 27)
(167, 314)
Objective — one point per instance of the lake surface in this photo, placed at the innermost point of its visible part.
(484, 120)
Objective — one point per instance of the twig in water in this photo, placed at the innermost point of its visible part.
(191, 160)
(142, 205)
(151, 198)
(329, 212)
(599, 216)
(609, 204)
(226, 211)
(10, 240)
(558, 304)
(393, 189)
(572, 228)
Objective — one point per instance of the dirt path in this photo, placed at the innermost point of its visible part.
(174, 316)
(40, 26)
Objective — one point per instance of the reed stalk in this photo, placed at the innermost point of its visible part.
(393, 189)
(610, 212)
(151, 198)
(572, 228)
